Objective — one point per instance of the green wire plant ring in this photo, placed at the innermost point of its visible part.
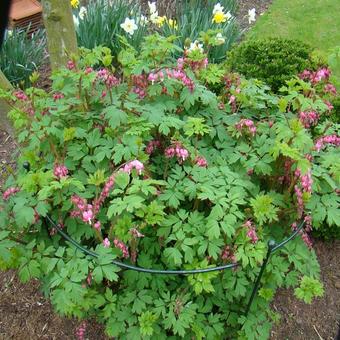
(272, 247)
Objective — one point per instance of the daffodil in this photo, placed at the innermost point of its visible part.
(160, 21)
(152, 7)
(75, 20)
(220, 39)
(75, 3)
(154, 17)
(218, 8)
(129, 26)
(82, 12)
(251, 15)
(172, 23)
(143, 20)
(220, 17)
(196, 46)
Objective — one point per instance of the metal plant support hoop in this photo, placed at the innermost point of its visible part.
(272, 247)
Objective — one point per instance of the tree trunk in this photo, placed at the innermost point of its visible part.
(4, 107)
(61, 35)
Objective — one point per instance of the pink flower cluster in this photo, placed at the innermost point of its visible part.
(139, 166)
(248, 124)
(135, 233)
(109, 79)
(201, 162)
(97, 203)
(232, 103)
(122, 246)
(317, 76)
(177, 150)
(60, 171)
(152, 145)
(228, 254)
(195, 65)
(140, 85)
(9, 192)
(329, 105)
(309, 118)
(306, 182)
(251, 232)
(304, 232)
(80, 331)
(20, 95)
(88, 70)
(299, 198)
(330, 88)
(106, 243)
(178, 74)
(323, 141)
(158, 76)
(71, 65)
(85, 211)
(57, 96)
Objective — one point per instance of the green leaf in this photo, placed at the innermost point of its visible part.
(110, 272)
(213, 229)
(173, 255)
(115, 116)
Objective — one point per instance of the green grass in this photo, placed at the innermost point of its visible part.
(315, 22)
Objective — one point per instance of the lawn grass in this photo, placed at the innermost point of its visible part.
(316, 22)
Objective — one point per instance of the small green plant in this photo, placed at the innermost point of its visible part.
(308, 289)
(271, 60)
(21, 54)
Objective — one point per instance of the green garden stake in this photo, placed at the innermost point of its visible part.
(271, 247)
(27, 166)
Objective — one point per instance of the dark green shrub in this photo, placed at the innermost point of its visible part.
(272, 60)
(22, 54)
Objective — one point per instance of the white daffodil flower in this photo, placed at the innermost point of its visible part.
(218, 8)
(143, 20)
(220, 39)
(154, 17)
(82, 12)
(75, 20)
(152, 7)
(196, 46)
(129, 26)
(228, 15)
(251, 15)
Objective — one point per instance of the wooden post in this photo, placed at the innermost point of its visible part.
(4, 107)
(61, 35)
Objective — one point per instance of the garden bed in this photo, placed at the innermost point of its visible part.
(25, 313)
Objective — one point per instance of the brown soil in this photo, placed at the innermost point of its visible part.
(245, 5)
(25, 314)
(321, 319)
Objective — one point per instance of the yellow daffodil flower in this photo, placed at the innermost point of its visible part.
(220, 17)
(75, 3)
(161, 20)
(172, 23)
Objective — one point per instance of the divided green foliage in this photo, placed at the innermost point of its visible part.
(205, 191)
